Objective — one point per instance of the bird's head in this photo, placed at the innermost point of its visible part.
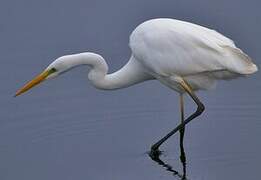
(56, 68)
(63, 64)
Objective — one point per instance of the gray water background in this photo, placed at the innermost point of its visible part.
(65, 129)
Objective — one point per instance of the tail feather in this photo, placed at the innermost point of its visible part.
(239, 62)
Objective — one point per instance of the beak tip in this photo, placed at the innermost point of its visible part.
(16, 94)
(19, 92)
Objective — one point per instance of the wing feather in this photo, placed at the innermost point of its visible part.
(168, 47)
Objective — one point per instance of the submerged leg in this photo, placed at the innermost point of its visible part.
(155, 148)
(182, 132)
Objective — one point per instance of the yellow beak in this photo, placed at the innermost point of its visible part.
(38, 79)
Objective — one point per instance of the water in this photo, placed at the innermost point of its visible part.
(66, 129)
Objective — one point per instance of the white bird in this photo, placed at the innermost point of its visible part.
(183, 56)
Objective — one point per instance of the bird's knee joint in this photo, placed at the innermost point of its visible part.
(201, 108)
(177, 79)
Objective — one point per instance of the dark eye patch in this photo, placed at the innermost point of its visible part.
(53, 70)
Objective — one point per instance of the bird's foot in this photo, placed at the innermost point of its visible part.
(155, 153)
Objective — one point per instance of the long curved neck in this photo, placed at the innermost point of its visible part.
(130, 74)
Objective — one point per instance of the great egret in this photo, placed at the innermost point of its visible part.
(183, 56)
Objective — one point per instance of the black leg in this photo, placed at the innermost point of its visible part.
(155, 148)
(182, 132)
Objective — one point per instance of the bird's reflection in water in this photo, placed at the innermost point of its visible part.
(156, 157)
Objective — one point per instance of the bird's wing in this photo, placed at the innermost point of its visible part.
(168, 47)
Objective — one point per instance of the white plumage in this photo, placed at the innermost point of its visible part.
(164, 49)
(168, 47)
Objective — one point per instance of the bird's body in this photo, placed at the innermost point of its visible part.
(167, 48)
(183, 56)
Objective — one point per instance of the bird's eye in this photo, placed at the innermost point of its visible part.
(53, 70)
